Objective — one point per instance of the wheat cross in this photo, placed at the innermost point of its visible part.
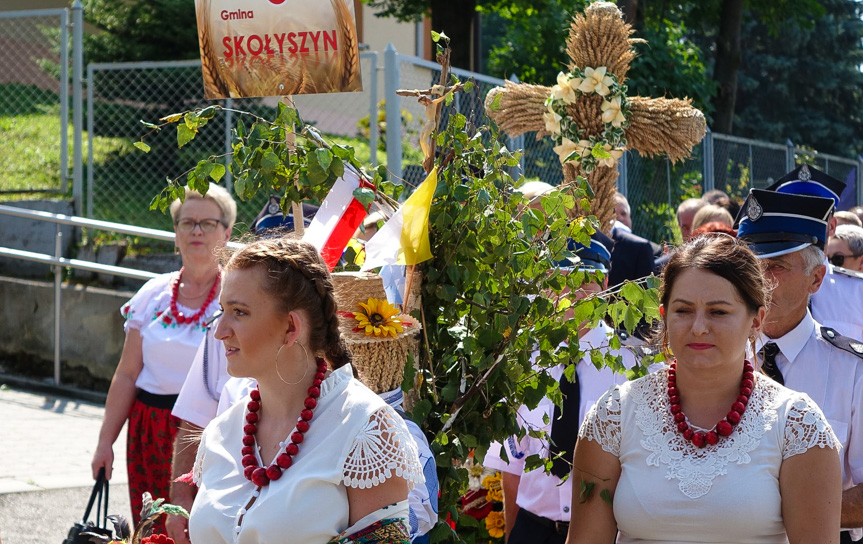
(600, 38)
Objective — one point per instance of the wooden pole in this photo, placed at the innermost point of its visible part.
(296, 207)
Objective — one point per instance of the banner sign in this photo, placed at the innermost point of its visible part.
(278, 47)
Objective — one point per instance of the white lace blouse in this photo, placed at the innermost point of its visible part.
(355, 440)
(673, 492)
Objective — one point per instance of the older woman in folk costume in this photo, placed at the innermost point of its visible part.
(707, 450)
(165, 323)
(311, 455)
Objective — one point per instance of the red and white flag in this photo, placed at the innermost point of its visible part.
(338, 218)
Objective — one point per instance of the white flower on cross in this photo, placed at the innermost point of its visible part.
(611, 112)
(567, 147)
(596, 81)
(616, 154)
(565, 90)
(552, 121)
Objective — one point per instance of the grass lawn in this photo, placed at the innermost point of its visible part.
(125, 179)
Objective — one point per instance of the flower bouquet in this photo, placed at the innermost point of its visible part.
(142, 534)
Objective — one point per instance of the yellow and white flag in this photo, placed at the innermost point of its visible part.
(404, 239)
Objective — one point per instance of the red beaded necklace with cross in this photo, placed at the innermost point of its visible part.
(257, 474)
(175, 292)
(724, 427)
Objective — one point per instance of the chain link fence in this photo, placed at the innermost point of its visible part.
(34, 102)
(120, 95)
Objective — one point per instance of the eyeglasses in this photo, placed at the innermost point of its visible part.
(207, 225)
(838, 259)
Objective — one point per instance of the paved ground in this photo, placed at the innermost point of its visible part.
(46, 443)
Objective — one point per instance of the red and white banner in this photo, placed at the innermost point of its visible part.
(338, 218)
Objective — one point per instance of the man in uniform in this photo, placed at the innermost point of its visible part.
(830, 305)
(537, 504)
(788, 233)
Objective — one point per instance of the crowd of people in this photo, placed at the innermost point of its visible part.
(241, 374)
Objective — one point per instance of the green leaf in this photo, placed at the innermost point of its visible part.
(606, 497)
(632, 292)
(184, 135)
(191, 120)
(435, 36)
(142, 146)
(364, 196)
(325, 157)
(586, 491)
(149, 125)
(207, 113)
(173, 118)
(468, 86)
(598, 152)
(269, 162)
(495, 103)
(218, 171)
(631, 318)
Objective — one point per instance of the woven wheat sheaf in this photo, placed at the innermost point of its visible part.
(657, 126)
(380, 362)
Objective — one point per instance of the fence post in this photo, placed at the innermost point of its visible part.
(859, 180)
(77, 102)
(789, 155)
(64, 101)
(623, 174)
(229, 124)
(58, 303)
(373, 110)
(518, 142)
(707, 181)
(394, 116)
(91, 91)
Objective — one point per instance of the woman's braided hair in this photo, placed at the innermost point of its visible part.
(298, 279)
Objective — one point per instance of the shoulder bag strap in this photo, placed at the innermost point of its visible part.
(97, 490)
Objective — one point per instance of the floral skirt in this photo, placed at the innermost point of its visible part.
(149, 453)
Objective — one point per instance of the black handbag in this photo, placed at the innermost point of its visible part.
(76, 533)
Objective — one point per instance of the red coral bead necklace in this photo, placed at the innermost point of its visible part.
(724, 427)
(257, 474)
(175, 291)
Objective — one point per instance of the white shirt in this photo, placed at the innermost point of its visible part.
(540, 493)
(422, 499)
(672, 492)
(199, 398)
(833, 378)
(355, 439)
(836, 304)
(168, 348)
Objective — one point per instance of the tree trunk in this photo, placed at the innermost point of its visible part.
(727, 65)
(629, 9)
(457, 20)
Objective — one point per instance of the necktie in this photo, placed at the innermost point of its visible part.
(564, 427)
(769, 352)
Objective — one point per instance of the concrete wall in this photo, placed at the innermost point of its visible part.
(36, 236)
(92, 339)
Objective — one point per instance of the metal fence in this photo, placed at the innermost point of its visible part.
(34, 55)
(120, 180)
(120, 95)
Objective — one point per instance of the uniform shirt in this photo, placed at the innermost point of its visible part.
(833, 378)
(835, 303)
(540, 493)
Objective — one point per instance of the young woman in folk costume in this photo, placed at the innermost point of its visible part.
(311, 455)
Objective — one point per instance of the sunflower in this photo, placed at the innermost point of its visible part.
(377, 318)
(495, 524)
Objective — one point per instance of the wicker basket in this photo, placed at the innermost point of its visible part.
(380, 361)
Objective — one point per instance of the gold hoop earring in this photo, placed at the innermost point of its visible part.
(279, 374)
